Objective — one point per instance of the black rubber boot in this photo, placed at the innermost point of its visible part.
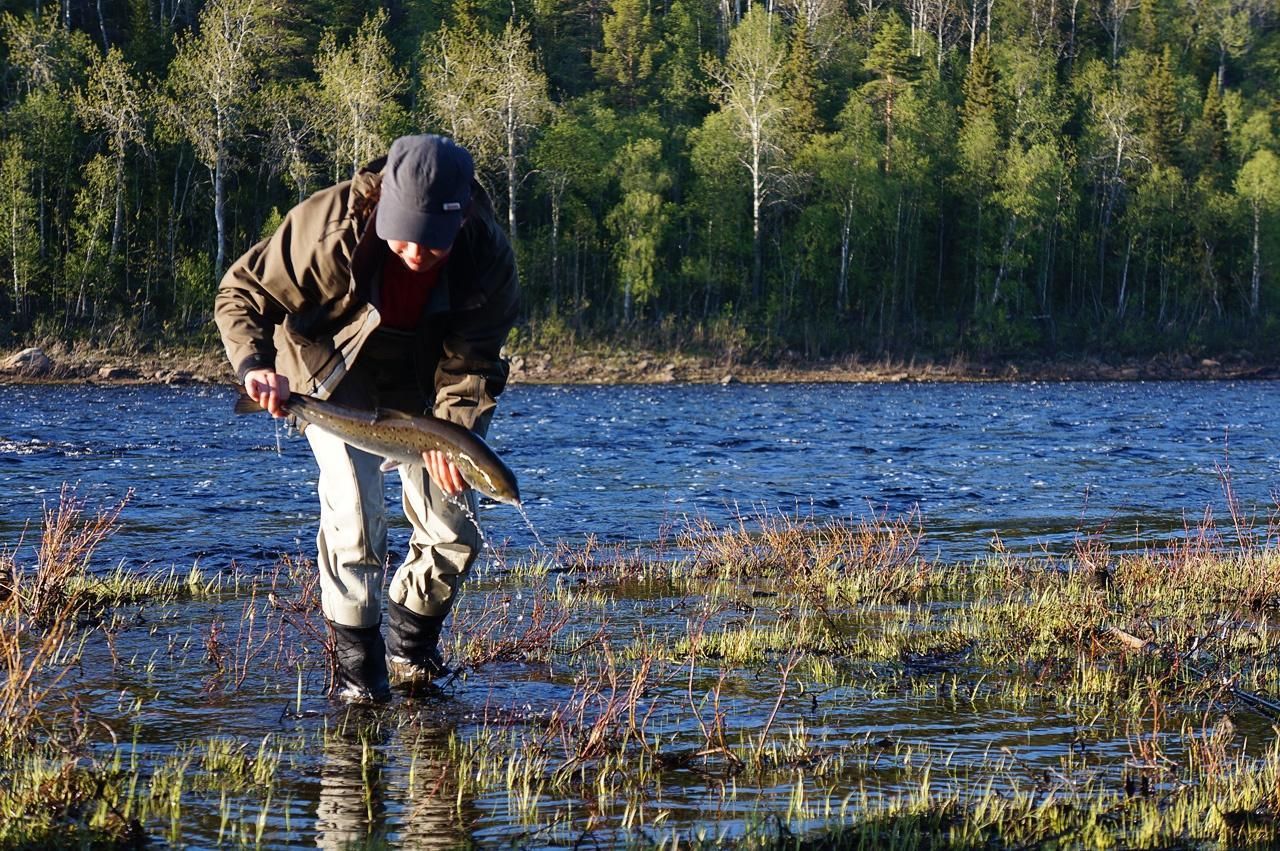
(413, 646)
(361, 664)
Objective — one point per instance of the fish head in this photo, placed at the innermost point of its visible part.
(512, 499)
(497, 483)
(498, 490)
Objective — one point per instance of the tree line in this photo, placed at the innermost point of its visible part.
(821, 176)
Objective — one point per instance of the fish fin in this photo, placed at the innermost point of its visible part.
(390, 414)
(388, 465)
(246, 405)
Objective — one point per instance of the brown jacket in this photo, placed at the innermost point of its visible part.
(302, 301)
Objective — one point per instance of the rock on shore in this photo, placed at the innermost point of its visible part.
(31, 362)
(62, 365)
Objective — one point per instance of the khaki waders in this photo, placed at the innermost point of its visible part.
(352, 540)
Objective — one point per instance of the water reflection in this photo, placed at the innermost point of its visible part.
(436, 815)
(352, 810)
(386, 779)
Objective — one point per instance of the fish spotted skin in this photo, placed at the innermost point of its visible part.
(402, 438)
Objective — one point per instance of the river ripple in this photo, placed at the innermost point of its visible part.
(1039, 464)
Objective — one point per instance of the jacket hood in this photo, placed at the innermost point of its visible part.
(366, 188)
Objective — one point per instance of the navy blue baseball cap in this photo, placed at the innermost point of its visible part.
(426, 187)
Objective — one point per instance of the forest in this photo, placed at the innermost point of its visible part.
(817, 177)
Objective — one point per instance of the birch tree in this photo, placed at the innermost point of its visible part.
(826, 24)
(571, 157)
(456, 89)
(358, 87)
(293, 133)
(747, 85)
(1258, 184)
(845, 165)
(1111, 16)
(1230, 27)
(489, 94)
(211, 87)
(940, 19)
(46, 62)
(112, 102)
(86, 268)
(19, 241)
(41, 53)
(521, 104)
(1111, 144)
(1030, 184)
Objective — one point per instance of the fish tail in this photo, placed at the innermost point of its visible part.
(246, 405)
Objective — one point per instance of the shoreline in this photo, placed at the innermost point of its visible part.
(193, 366)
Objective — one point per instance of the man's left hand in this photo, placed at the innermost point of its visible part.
(443, 472)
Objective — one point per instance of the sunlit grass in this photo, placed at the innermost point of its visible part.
(760, 684)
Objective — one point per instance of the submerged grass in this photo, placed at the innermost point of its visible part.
(780, 683)
(51, 796)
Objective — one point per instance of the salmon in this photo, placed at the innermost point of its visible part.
(401, 439)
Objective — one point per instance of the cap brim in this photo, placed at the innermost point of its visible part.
(430, 230)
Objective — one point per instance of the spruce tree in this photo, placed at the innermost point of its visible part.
(890, 63)
(1161, 118)
(625, 66)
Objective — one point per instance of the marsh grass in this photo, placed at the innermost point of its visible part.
(827, 605)
(66, 547)
(38, 614)
(508, 627)
(57, 794)
(279, 628)
(857, 562)
(52, 797)
(778, 683)
(61, 804)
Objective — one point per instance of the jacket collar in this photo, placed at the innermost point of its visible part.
(366, 186)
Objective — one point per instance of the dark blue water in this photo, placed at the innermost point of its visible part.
(1037, 464)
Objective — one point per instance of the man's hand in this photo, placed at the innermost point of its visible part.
(443, 472)
(268, 388)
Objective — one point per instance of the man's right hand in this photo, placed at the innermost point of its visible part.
(268, 388)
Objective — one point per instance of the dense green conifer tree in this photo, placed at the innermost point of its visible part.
(893, 71)
(686, 37)
(625, 65)
(1162, 120)
(979, 154)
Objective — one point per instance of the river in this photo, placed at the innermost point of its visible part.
(1038, 464)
